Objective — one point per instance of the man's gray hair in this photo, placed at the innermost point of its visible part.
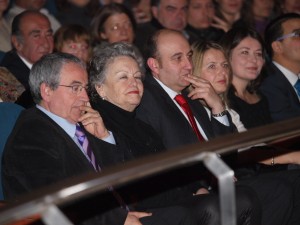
(47, 70)
(105, 56)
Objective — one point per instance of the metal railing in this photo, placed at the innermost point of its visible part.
(45, 202)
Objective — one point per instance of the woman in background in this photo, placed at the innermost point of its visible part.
(113, 23)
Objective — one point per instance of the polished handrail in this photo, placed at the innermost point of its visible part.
(64, 192)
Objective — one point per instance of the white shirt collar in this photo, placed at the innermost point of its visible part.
(169, 91)
(28, 64)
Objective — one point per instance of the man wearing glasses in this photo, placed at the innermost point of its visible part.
(281, 84)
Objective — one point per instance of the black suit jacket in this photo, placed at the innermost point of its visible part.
(18, 68)
(282, 98)
(159, 110)
(39, 152)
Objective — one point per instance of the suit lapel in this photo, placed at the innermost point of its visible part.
(72, 149)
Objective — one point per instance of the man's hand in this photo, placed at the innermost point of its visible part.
(133, 218)
(203, 90)
(93, 122)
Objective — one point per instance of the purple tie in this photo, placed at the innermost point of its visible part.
(83, 141)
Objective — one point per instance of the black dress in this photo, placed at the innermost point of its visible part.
(251, 115)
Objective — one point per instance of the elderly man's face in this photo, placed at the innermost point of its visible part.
(171, 14)
(37, 38)
(63, 101)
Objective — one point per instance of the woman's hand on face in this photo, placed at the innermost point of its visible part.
(92, 122)
(203, 90)
(220, 24)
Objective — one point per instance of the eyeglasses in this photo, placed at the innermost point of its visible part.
(294, 34)
(76, 89)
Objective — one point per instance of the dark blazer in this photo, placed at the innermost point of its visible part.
(283, 100)
(158, 110)
(17, 67)
(39, 152)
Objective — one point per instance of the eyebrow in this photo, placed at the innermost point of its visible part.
(75, 82)
(39, 31)
(176, 54)
(296, 30)
(34, 32)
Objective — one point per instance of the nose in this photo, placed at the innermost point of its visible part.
(181, 13)
(133, 81)
(253, 58)
(188, 63)
(223, 72)
(83, 95)
(45, 42)
(123, 30)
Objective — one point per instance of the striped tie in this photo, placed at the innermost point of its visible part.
(83, 141)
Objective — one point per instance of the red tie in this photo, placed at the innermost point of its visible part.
(184, 105)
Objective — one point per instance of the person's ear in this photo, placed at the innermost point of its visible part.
(276, 46)
(153, 65)
(16, 43)
(103, 36)
(46, 92)
(100, 90)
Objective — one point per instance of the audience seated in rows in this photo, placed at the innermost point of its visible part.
(171, 68)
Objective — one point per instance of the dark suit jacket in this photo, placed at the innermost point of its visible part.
(39, 152)
(159, 110)
(18, 68)
(282, 98)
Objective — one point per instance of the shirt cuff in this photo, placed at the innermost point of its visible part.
(110, 139)
(223, 119)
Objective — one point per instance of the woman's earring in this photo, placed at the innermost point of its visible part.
(103, 98)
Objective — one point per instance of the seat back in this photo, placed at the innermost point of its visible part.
(9, 113)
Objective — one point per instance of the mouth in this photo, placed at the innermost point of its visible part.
(252, 68)
(134, 92)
